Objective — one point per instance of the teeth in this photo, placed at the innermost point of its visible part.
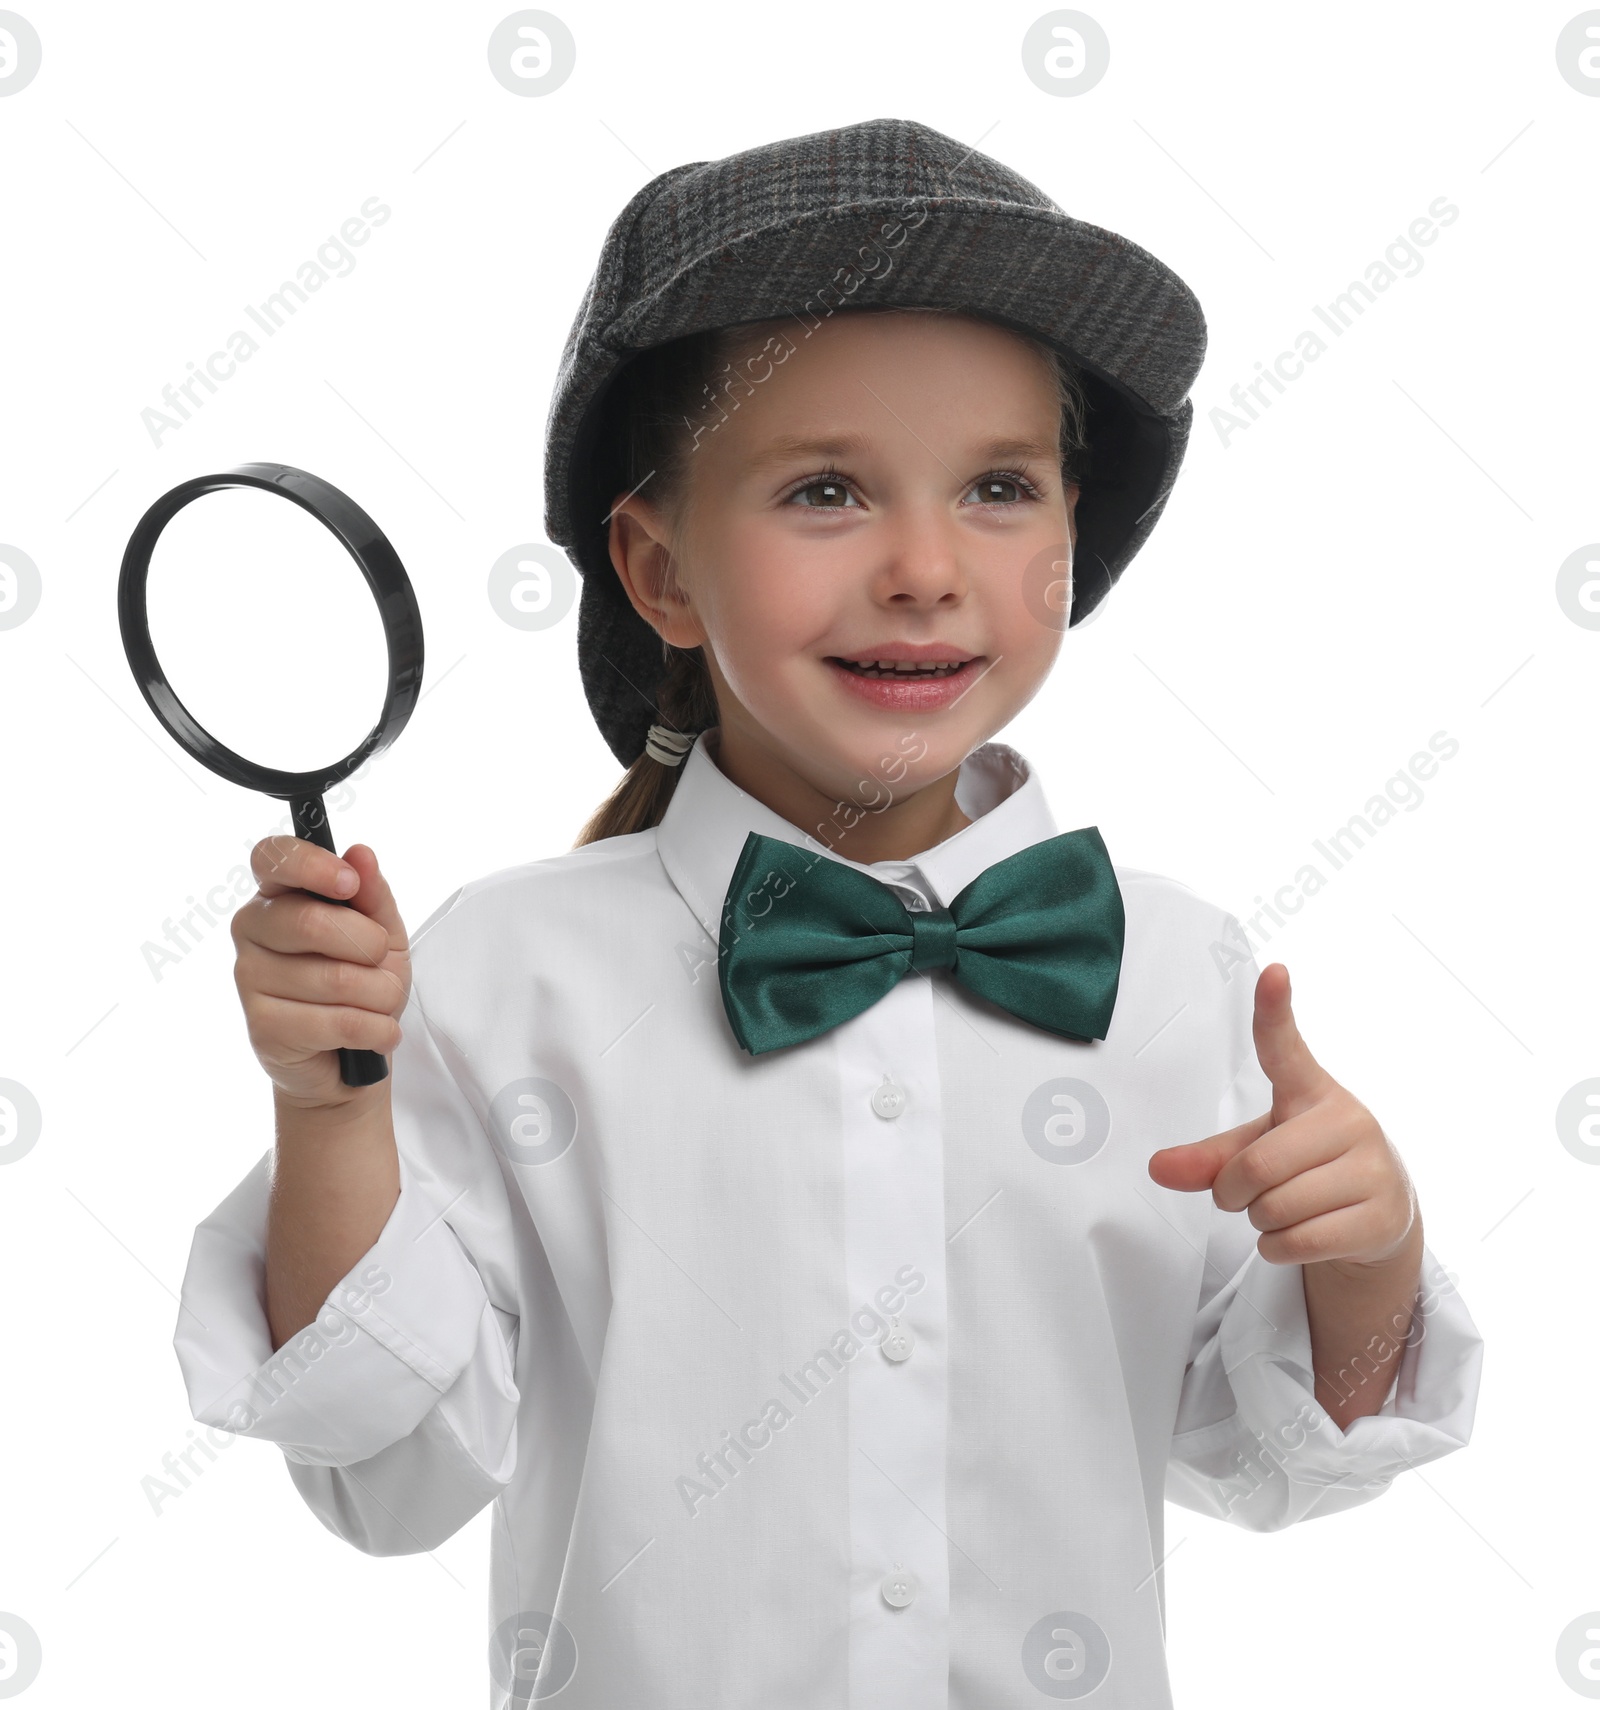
(901, 668)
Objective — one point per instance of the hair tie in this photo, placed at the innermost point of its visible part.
(667, 745)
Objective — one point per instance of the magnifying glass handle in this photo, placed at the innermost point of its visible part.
(356, 1068)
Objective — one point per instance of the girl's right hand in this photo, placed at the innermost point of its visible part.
(313, 975)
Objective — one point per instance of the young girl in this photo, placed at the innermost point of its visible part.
(828, 1209)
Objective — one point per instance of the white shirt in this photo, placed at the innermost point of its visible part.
(634, 1285)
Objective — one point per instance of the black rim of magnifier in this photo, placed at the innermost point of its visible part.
(385, 577)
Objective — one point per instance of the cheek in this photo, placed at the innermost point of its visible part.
(770, 605)
(1031, 641)
(1026, 626)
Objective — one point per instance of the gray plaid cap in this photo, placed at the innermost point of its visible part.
(885, 212)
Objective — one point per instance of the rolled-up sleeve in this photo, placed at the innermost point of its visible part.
(396, 1408)
(1251, 1444)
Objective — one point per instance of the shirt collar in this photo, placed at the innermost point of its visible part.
(704, 827)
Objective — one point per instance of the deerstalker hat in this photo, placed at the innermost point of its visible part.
(888, 212)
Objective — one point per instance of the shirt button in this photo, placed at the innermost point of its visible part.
(888, 1100)
(899, 1342)
(898, 1588)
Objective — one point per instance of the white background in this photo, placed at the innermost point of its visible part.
(1372, 561)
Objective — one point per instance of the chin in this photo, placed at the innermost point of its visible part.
(905, 760)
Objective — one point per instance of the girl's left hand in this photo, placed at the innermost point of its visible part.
(1316, 1172)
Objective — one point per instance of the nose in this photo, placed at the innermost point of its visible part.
(921, 560)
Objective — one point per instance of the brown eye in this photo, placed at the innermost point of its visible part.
(997, 490)
(834, 495)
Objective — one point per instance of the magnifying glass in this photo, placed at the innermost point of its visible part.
(385, 577)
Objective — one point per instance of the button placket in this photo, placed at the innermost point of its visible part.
(895, 1244)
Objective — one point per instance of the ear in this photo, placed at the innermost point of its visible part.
(1071, 494)
(641, 555)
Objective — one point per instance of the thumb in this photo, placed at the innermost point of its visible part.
(1192, 1167)
(373, 896)
(1298, 1079)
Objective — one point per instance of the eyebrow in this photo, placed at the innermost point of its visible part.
(854, 445)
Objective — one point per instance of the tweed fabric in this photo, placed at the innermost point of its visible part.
(884, 212)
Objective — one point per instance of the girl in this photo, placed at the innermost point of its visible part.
(820, 1211)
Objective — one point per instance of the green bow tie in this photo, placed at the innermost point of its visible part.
(808, 942)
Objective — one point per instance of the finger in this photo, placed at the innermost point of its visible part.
(1327, 1187)
(284, 1033)
(312, 978)
(1338, 1234)
(1284, 1151)
(1194, 1166)
(281, 863)
(1298, 1079)
(296, 922)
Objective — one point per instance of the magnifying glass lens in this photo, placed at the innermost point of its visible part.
(266, 630)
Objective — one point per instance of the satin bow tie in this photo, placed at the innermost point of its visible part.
(808, 942)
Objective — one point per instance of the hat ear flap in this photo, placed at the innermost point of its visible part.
(1128, 471)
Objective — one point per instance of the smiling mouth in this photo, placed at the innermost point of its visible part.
(900, 669)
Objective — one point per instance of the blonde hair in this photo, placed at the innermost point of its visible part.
(644, 439)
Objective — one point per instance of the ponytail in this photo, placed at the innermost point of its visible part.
(685, 701)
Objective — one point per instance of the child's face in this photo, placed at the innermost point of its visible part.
(862, 499)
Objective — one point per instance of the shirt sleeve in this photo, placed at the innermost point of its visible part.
(396, 1408)
(1251, 1444)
